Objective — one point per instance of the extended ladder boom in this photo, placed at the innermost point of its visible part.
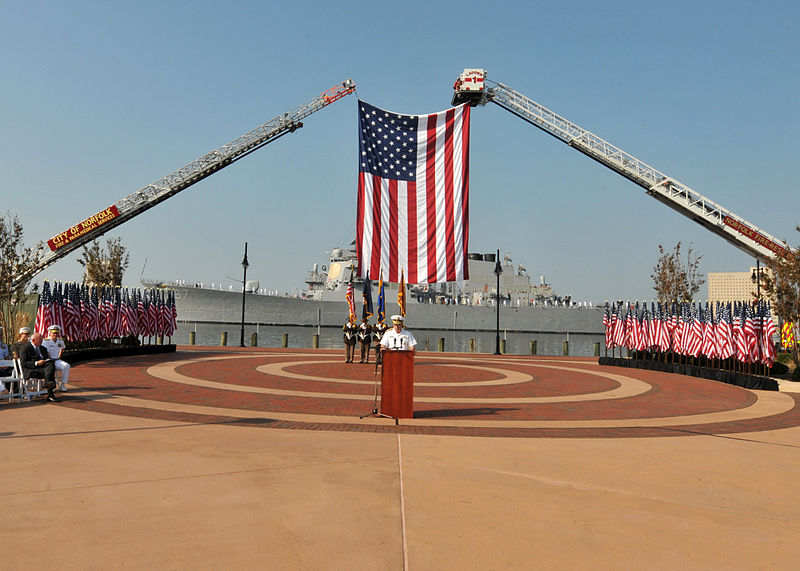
(95, 226)
(470, 88)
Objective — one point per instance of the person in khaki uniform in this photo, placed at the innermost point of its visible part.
(377, 332)
(365, 339)
(349, 334)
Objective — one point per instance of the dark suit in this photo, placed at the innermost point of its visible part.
(30, 370)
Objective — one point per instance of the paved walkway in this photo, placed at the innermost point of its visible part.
(258, 459)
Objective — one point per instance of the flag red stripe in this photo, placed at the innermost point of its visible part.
(360, 206)
(465, 188)
(449, 214)
(394, 271)
(430, 186)
(412, 233)
(376, 225)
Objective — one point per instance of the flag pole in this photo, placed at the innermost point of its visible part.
(497, 270)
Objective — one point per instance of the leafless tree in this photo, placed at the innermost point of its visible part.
(15, 260)
(674, 278)
(104, 267)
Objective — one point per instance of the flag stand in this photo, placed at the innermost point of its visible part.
(375, 411)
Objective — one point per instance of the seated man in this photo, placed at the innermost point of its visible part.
(24, 332)
(55, 347)
(6, 364)
(22, 340)
(37, 364)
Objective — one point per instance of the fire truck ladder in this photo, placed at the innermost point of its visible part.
(181, 179)
(470, 89)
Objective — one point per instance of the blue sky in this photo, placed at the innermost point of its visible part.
(103, 98)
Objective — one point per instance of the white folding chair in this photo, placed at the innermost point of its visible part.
(29, 388)
(13, 389)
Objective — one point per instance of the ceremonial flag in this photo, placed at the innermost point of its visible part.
(58, 306)
(643, 319)
(725, 340)
(655, 325)
(141, 314)
(71, 313)
(663, 328)
(126, 318)
(413, 190)
(739, 338)
(173, 318)
(367, 296)
(153, 314)
(401, 294)
(105, 312)
(381, 301)
(709, 343)
(94, 313)
(751, 338)
(44, 313)
(631, 332)
(674, 329)
(619, 328)
(695, 341)
(350, 304)
(768, 331)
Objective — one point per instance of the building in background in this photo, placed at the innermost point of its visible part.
(734, 286)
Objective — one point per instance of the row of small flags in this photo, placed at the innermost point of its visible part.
(366, 294)
(101, 312)
(739, 330)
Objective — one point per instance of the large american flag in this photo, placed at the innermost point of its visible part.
(413, 190)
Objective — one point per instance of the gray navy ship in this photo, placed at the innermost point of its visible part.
(461, 306)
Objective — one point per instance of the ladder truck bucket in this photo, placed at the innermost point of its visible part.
(470, 87)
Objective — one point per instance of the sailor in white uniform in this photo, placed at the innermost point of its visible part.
(55, 346)
(398, 338)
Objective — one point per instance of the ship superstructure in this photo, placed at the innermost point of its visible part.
(329, 283)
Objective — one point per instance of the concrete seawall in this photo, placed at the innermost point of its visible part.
(216, 306)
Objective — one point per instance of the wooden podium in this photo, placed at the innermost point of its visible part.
(397, 384)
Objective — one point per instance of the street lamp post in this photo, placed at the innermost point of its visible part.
(497, 270)
(245, 264)
(756, 277)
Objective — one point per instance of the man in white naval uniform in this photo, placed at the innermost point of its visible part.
(398, 338)
(55, 346)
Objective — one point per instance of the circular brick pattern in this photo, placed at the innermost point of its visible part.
(455, 394)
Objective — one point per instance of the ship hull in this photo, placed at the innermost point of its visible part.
(204, 305)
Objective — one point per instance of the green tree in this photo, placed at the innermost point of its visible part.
(674, 278)
(15, 260)
(104, 267)
(781, 284)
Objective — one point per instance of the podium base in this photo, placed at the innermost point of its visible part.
(377, 414)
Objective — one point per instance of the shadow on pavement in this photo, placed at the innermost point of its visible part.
(454, 412)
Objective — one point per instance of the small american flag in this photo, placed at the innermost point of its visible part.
(350, 303)
(44, 313)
